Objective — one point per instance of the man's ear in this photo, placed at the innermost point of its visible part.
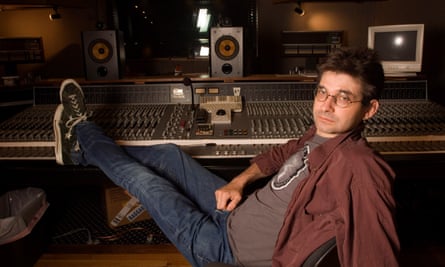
(372, 109)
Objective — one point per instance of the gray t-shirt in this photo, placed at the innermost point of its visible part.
(253, 226)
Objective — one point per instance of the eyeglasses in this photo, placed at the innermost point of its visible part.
(342, 99)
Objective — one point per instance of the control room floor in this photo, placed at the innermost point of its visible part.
(122, 256)
(167, 255)
(422, 237)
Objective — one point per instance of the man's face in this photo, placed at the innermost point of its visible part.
(329, 118)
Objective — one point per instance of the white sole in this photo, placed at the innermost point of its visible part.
(57, 145)
(64, 84)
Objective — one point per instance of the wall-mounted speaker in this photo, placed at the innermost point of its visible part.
(104, 55)
(226, 52)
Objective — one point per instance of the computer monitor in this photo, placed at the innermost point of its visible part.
(400, 47)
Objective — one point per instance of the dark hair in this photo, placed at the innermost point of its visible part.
(360, 63)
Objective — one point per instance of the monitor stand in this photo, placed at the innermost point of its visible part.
(401, 74)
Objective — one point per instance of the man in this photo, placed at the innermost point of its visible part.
(329, 183)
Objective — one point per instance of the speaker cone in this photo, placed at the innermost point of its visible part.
(226, 47)
(100, 51)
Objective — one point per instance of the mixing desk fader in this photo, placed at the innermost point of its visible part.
(265, 114)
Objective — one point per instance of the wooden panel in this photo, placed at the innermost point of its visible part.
(327, 1)
(128, 256)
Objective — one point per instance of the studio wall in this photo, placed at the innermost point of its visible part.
(62, 38)
(354, 18)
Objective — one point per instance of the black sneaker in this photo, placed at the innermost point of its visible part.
(72, 99)
(63, 146)
(71, 112)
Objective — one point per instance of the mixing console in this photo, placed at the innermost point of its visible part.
(270, 114)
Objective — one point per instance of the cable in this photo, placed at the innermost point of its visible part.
(120, 234)
(89, 241)
(109, 238)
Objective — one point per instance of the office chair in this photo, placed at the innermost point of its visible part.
(324, 256)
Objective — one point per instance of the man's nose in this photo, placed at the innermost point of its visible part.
(329, 103)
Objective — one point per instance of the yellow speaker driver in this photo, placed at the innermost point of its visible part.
(227, 47)
(100, 51)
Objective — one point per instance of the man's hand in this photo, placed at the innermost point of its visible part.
(228, 196)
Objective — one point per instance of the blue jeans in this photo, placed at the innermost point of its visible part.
(176, 190)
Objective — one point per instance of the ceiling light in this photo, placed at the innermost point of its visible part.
(55, 14)
(299, 10)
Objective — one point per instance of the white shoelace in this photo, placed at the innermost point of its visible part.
(73, 121)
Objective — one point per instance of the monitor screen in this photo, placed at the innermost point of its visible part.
(400, 47)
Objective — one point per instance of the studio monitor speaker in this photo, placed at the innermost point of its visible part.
(226, 51)
(104, 54)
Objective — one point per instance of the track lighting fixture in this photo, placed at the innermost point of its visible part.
(55, 14)
(299, 10)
